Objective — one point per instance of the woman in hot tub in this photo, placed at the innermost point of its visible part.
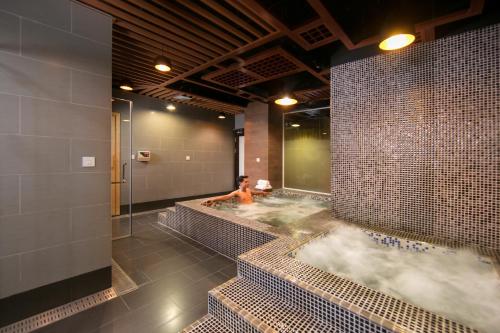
(243, 194)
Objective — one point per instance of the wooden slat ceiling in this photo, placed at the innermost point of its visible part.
(200, 36)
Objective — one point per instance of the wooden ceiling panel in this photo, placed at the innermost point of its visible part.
(265, 66)
(227, 45)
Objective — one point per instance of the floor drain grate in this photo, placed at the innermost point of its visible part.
(51, 316)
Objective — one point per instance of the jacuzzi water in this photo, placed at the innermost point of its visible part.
(288, 215)
(458, 285)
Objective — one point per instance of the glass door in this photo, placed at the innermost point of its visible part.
(121, 168)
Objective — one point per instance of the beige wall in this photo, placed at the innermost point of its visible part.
(171, 136)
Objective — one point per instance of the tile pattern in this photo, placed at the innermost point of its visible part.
(207, 324)
(171, 136)
(415, 139)
(55, 92)
(300, 194)
(221, 231)
(174, 275)
(256, 306)
(348, 306)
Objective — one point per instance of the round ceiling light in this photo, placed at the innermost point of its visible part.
(126, 85)
(163, 64)
(395, 42)
(295, 125)
(171, 107)
(221, 116)
(286, 101)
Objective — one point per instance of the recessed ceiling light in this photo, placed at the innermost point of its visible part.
(126, 120)
(286, 101)
(163, 64)
(295, 125)
(183, 97)
(395, 42)
(324, 133)
(171, 107)
(221, 116)
(126, 85)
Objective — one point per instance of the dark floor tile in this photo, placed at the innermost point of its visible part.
(202, 254)
(126, 244)
(161, 289)
(170, 266)
(197, 293)
(145, 261)
(212, 281)
(90, 319)
(140, 252)
(140, 228)
(182, 320)
(198, 271)
(168, 251)
(144, 319)
(139, 278)
(217, 262)
(230, 271)
(174, 275)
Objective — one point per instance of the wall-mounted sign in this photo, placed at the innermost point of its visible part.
(143, 155)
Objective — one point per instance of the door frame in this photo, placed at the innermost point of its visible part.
(237, 134)
(123, 177)
(115, 164)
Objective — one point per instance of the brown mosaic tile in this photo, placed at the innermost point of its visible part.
(416, 139)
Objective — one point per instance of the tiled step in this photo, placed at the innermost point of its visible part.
(168, 218)
(244, 306)
(207, 324)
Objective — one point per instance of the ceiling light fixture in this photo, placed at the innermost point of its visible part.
(221, 116)
(183, 97)
(126, 85)
(397, 41)
(171, 107)
(163, 64)
(295, 125)
(286, 101)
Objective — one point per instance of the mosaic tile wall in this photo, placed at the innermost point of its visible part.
(416, 139)
(223, 232)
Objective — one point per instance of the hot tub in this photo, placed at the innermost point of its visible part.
(296, 216)
(457, 283)
(271, 251)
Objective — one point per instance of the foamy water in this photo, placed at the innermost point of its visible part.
(277, 211)
(457, 286)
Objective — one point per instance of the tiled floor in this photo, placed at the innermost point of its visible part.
(174, 275)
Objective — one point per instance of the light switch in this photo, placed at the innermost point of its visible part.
(88, 161)
(188, 158)
(258, 159)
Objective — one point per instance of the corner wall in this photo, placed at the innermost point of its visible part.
(264, 140)
(416, 139)
(55, 95)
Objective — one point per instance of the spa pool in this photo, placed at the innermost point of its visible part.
(458, 284)
(297, 217)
